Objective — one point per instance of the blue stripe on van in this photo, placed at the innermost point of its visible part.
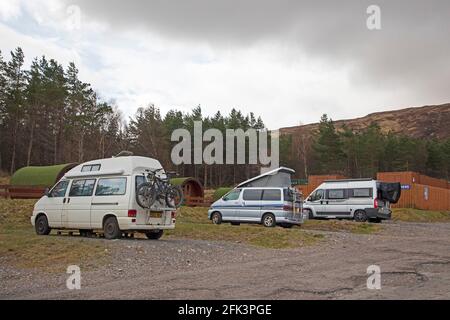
(265, 206)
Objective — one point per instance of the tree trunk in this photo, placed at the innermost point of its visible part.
(80, 149)
(55, 147)
(30, 143)
(13, 156)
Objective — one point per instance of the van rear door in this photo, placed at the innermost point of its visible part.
(389, 192)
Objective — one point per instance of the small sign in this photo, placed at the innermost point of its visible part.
(406, 187)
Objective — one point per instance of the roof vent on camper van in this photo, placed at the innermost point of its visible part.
(124, 154)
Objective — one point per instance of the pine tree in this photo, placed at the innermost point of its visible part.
(328, 147)
(15, 88)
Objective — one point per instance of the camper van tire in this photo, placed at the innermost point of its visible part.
(235, 223)
(42, 227)
(216, 218)
(111, 228)
(287, 225)
(268, 220)
(309, 213)
(154, 234)
(360, 216)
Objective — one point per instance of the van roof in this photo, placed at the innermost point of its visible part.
(350, 180)
(269, 173)
(115, 166)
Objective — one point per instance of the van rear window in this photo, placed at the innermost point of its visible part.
(139, 180)
(272, 195)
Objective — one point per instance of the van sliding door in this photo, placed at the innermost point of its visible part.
(335, 202)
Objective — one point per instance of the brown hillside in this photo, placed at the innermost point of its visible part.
(418, 122)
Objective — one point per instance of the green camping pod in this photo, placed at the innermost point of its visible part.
(40, 176)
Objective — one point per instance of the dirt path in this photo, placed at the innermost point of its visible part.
(414, 259)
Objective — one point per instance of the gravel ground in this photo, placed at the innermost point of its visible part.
(414, 259)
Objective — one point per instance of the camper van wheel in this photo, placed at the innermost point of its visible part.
(154, 234)
(269, 220)
(216, 218)
(111, 229)
(310, 214)
(41, 226)
(360, 216)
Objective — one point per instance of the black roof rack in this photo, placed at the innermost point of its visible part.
(350, 180)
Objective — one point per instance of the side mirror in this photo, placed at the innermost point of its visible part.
(47, 192)
(224, 199)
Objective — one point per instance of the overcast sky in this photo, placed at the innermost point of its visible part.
(289, 61)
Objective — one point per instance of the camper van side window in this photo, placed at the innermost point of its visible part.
(252, 194)
(59, 190)
(272, 195)
(111, 187)
(336, 194)
(360, 193)
(82, 188)
(318, 195)
(233, 195)
(91, 167)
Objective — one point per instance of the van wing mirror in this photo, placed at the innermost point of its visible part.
(47, 192)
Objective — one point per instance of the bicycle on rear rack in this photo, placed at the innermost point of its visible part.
(157, 188)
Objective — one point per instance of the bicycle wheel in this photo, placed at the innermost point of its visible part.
(146, 195)
(174, 196)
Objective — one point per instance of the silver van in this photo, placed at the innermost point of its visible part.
(269, 206)
(358, 199)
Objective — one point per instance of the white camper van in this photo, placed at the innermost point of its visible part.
(100, 195)
(358, 199)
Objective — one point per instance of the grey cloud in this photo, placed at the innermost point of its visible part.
(412, 49)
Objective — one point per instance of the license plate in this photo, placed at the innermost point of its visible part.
(156, 215)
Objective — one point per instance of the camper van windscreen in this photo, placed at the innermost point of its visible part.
(389, 191)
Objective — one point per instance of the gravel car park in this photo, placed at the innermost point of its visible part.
(203, 269)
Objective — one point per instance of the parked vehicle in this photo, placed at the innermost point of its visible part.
(358, 199)
(100, 196)
(267, 199)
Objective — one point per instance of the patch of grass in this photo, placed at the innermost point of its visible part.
(275, 238)
(342, 225)
(23, 248)
(193, 223)
(415, 215)
(4, 179)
